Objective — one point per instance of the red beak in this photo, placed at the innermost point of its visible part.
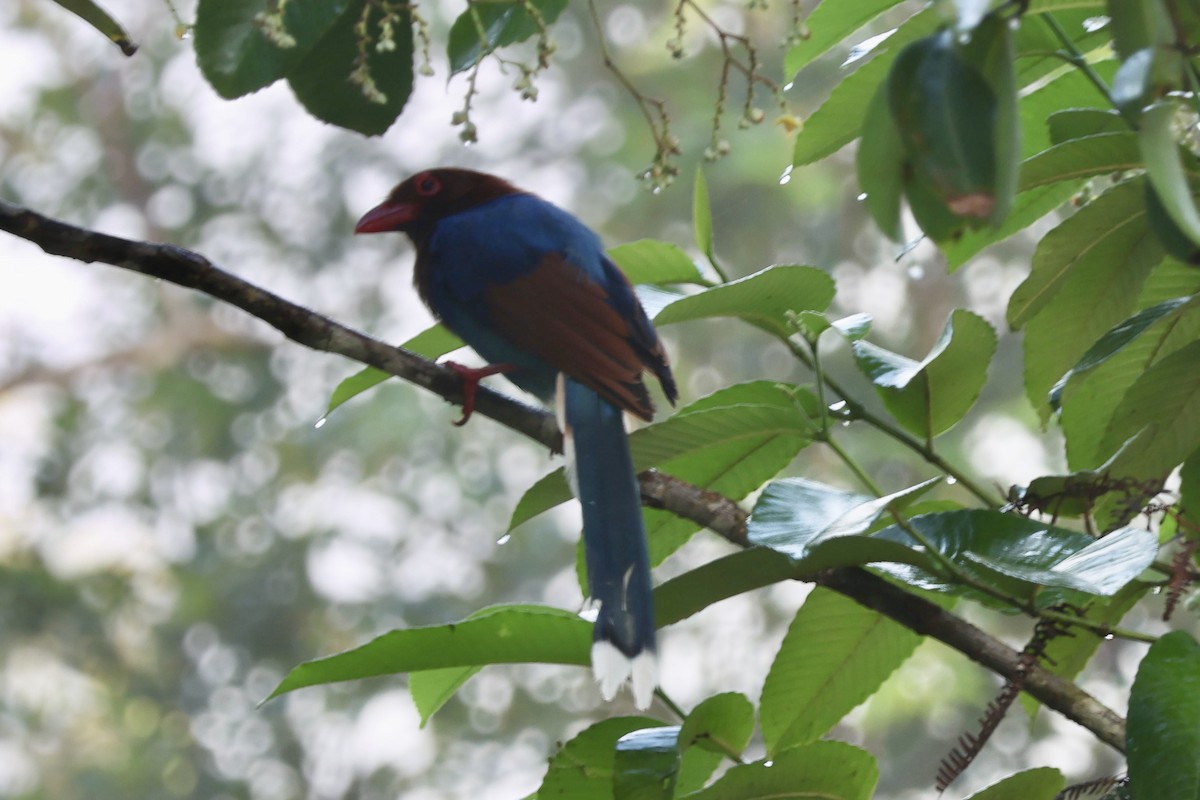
(387, 217)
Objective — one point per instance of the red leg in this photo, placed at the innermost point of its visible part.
(470, 378)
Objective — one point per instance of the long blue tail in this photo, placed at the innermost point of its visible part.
(614, 538)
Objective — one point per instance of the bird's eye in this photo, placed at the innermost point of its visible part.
(428, 185)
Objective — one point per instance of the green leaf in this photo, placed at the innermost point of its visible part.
(838, 121)
(646, 764)
(1136, 26)
(1163, 728)
(1118, 338)
(880, 165)
(765, 298)
(1163, 405)
(93, 14)
(990, 50)
(1028, 208)
(1086, 277)
(1023, 557)
(715, 434)
(500, 635)
(825, 770)
(1078, 123)
(1086, 157)
(488, 26)
(432, 688)
(702, 217)
(945, 112)
(318, 58)
(1172, 238)
(1089, 396)
(820, 527)
(720, 579)
(829, 24)
(835, 655)
(321, 81)
(1040, 783)
(721, 724)
(853, 327)
(928, 397)
(1060, 93)
(432, 343)
(584, 768)
(653, 262)
(1164, 166)
(235, 55)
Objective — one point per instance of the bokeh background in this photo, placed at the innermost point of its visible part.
(175, 530)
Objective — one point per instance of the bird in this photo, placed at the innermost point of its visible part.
(530, 288)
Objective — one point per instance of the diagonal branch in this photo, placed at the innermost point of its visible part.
(708, 509)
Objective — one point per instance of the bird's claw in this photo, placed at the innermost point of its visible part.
(471, 376)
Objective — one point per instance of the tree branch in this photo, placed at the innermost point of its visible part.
(708, 509)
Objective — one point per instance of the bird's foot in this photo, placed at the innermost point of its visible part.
(471, 376)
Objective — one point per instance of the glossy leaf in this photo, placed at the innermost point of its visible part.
(501, 635)
(1040, 783)
(1163, 729)
(94, 14)
(485, 27)
(765, 298)
(835, 655)
(820, 527)
(646, 764)
(1023, 557)
(827, 770)
(928, 397)
(584, 768)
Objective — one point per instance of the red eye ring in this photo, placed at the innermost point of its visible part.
(428, 185)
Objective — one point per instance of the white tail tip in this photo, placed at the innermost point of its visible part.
(611, 667)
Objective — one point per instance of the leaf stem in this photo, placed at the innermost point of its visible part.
(1073, 56)
(856, 411)
(1099, 628)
